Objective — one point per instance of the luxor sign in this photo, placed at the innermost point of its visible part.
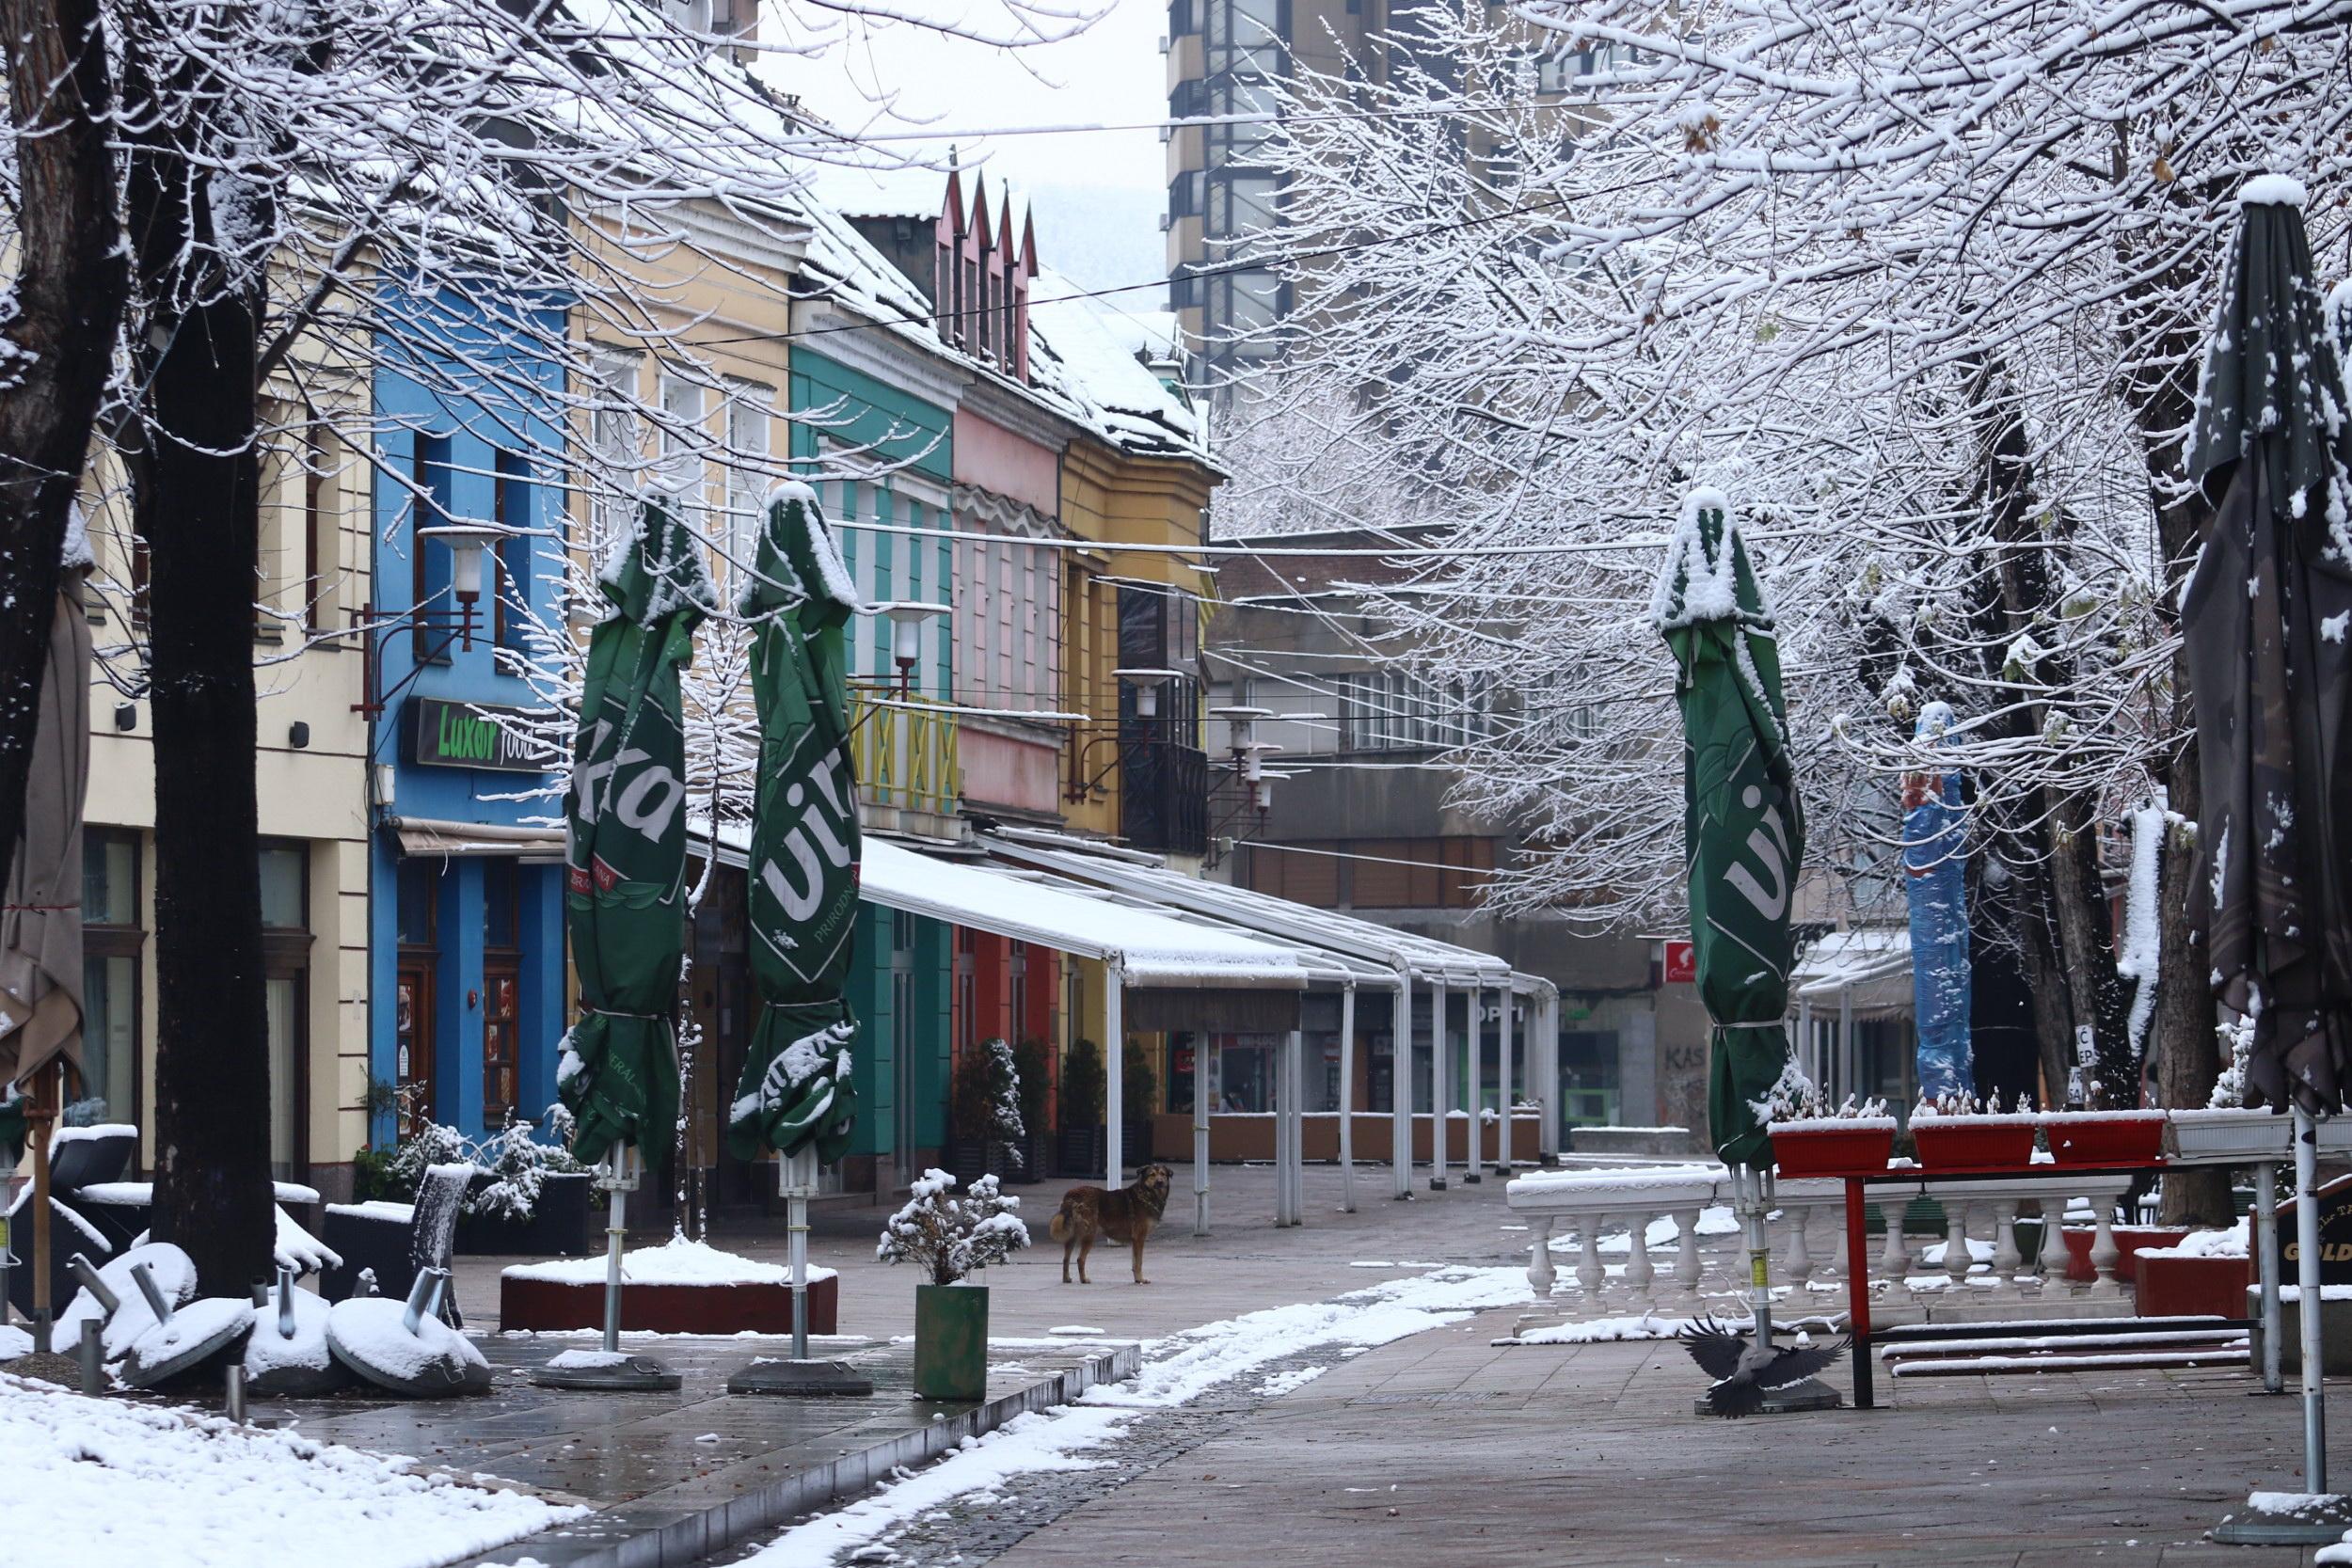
(442, 733)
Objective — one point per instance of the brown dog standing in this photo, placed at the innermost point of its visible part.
(1121, 1214)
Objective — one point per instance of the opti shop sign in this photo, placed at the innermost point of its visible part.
(442, 733)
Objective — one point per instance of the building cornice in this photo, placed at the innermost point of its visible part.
(881, 352)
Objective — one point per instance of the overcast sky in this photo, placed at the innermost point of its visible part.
(1097, 194)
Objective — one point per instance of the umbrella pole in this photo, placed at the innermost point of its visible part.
(613, 1373)
(39, 1118)
(801, 1375)
(2309, 1311)
(2266, 1256)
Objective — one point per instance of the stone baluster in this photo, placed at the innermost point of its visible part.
(2049, 1264)
(2007, 1260)
(1798, 1263)
(2104, 1254)
(1589, 1274)
(1894, 1262)
(1685, 1264)
(1539, 1271)
(1639, 1272)
(1956, 1256)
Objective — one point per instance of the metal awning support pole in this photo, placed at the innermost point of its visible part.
(1473, 1076)
(1848, 1068)
(1348, 1099)
(2266, 1261)
(1295, 1112)
(1200, 1050)
(1502, 1088)
(1401, 1088)
(1438, 1127)
(1808, 1054)
(2308, 1311)
(1544, 1062)
(1115, 1076)
(1282, 1134)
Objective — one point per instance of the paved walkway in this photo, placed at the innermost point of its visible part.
(1443, 1449)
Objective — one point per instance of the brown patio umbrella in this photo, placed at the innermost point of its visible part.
(2270, 642)
(41, 928)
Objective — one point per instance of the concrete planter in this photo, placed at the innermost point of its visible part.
(546, 1303)
(2191, 1287)
(1971, 1143)
(1826, 1148)
(2335, 1333)
(2105, 1138)
(951, 1343)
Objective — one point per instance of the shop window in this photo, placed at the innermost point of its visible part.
(111, 940)
(511, 507)
(430, 498)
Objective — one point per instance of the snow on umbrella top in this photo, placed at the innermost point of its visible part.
(2267, 619)
(1744, 828)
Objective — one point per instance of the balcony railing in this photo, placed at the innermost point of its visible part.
(904, 750)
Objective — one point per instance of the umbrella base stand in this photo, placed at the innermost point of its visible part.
(2292, 1519)
(633, 1374)
(1794, 1399)
(803, 1379)
(610, 1371)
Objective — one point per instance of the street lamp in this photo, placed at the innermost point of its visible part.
(907, 617)
(468, 541)
(1146, 683)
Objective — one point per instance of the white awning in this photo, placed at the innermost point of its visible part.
(424, 835)
(1426, 958)
(1149, 949)
(1868, 968)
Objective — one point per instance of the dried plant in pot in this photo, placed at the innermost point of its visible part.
(1959, 1131)
(951, 1239)
(1812, 1137)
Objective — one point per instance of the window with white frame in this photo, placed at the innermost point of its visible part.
(615, 438)
(1007, 621)
(684, 442)
(751, 410)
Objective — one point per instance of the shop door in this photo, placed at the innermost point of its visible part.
(502, 1011)
(904, 1041)
(412, 1067)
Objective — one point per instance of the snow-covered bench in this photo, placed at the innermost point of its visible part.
(1667, 1208)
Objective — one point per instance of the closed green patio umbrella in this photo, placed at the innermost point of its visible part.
(624, 846)
(1743, 829)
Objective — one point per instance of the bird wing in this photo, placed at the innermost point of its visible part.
(1734, 1397)
(1717, 1352)
(1798, 1363)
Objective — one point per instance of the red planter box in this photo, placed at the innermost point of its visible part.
(1832, 1150)
(1961, 1143)
(2129, 1239)
(2136, 1139)
(2187, 1286)
(543, 1304)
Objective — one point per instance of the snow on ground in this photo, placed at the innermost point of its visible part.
(1175, 1370)
(676, 1261)
(14, 1342)
(1650, 1325)
(148, 1485)
(1282, 1383)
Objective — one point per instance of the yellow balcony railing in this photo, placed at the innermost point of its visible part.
(904, 749)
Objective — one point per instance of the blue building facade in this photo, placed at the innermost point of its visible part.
(466, 927)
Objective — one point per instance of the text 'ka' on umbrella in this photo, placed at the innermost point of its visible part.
(41, 929)
(2267, 620)
(797, 1095)
(625, 892)
(1744, 834)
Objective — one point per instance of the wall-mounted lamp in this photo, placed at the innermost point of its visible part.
(297, 734)
(468, 542)
(907, 617)
(126, 715)
(1146, 683)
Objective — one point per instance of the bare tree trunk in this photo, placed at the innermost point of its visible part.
(69, 295)
(196, 496)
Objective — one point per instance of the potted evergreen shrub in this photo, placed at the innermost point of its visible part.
(1810, 1137)
(530, 1197)
(987, 1106)
(1083, 1086)
(1135, 1092)
(951, 1239)
(1034, 1064)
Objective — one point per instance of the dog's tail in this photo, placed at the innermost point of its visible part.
(1059, 1227)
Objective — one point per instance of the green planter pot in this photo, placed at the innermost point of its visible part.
(951, 1343)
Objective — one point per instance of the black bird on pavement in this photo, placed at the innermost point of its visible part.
(1746, 1372)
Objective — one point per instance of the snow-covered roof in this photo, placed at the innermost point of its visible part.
(1150, 948)
(1426, 958)
(1082, 359)
(1874, 961)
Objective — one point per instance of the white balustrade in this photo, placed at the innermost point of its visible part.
(1587, 1203)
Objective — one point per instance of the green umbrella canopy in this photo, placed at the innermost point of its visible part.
(1744, 828)
(2265, 622)
(796, 1087)
(625, 844)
